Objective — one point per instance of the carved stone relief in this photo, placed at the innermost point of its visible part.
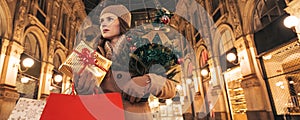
(20, 23)
(54, 20)
(235, 18)
(51, 50)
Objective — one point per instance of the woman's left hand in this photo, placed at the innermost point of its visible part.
(136, 88)
(85, 83)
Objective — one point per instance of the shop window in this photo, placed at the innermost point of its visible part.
(282, 68)
(237, 100)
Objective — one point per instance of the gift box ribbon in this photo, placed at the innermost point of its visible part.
(88, 59)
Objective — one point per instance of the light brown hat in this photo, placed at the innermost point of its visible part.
(120, 11)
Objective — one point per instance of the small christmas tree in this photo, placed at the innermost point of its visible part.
(142, 54)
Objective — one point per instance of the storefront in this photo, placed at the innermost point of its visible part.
(235, 94)
(282, 68)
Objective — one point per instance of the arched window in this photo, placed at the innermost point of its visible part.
(225, 46)
(203, 58)
(57, 61)
(29, 89)
(31, 46)
(267, 11)
(226, 42)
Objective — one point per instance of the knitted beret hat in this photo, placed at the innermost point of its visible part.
(120, 11)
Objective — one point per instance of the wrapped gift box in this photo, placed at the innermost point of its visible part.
(83, 58)
(27, 109)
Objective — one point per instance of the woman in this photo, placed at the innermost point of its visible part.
(115, 20)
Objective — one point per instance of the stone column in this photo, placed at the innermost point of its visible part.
(8, 98)
(255, 95)
(5, 43)
(8, 93)
(46, 78)
(217, 90)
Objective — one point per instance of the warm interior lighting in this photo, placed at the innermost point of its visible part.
(28, 62)
(279, 83)
(25, 80)
(291, 21)
(188, 81)
(169, 101)
(267, 57)
(231, 57)
(57, 78)
(178, 87)
(204, 72)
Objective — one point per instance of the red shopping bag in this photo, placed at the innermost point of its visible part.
(83, 107)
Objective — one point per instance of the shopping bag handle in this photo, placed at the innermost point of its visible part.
(73, 89)
(74, 93)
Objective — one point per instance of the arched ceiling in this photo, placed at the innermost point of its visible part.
(90, 5)
(133, 4)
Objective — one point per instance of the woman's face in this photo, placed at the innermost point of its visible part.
(109, 25)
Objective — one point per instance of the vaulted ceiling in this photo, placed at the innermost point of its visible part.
(90, 5)
(132, 4)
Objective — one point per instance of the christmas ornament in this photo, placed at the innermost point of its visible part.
(165, 19)
(162, 17)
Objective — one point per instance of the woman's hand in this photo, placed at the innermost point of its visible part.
(136, 88)
(85, 83)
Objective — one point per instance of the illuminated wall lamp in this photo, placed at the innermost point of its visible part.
(55, 80)
(204, 72)
(58, 78)
(231, 57)
(27, 63)
(292, 22)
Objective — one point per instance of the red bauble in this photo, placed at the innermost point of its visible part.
(133, 48)
(165, 19)
(129, 39)
(180, 60)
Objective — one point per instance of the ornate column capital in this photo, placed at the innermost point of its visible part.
(14, 49)
(244, 56)
(47, 77)
(11, 61)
